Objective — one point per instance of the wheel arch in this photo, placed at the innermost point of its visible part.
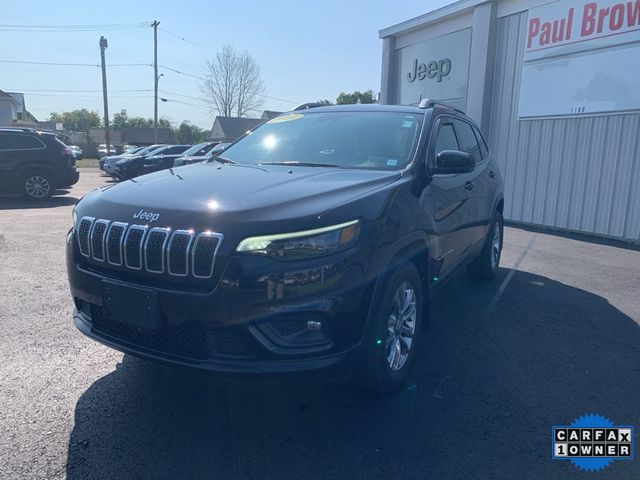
(413, 248)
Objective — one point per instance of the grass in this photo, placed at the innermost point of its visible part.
(87, 163)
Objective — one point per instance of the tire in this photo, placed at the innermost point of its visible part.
(383, 368)
(37, 185)
(485, 266)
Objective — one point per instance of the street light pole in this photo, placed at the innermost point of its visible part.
(155, 79)
(103, 47)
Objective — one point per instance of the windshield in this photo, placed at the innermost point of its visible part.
(376, 140)
(199, 149)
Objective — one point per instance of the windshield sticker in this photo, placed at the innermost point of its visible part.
(392, 162)
(286, 118)
(407, 123)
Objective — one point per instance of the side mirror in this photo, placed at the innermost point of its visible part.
(454, 161)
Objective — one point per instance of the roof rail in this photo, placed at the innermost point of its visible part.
(306, 106)
(20, 129)
(430, 103)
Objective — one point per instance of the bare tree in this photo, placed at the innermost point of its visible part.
(233, 84)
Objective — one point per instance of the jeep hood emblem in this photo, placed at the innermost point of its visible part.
(149, 216)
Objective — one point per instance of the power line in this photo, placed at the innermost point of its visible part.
(293, 102)
(75, 91)
(180, 37)
(71, 28)
(60, 64)
(84, 96)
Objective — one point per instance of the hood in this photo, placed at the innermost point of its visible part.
(210, 195)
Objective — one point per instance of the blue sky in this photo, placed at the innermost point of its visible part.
(307, 50)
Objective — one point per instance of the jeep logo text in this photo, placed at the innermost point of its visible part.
(434, 69)
(149, 216)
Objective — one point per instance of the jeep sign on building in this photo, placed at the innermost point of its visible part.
(437, 68)
(555, 86)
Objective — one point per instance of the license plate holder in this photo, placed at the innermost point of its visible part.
(131, 305)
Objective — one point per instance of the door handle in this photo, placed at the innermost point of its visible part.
(468, 186)
(492, 174)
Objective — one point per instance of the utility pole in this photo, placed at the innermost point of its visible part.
(155, 80)
(103, 47)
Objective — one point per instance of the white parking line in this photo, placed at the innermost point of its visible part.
(496, 298)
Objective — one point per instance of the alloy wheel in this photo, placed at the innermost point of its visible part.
(401, 326)
(495, 246)
(37, 186)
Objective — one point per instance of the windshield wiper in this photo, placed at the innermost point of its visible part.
(301, 164)
(224, 160)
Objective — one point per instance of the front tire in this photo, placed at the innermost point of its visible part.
(37, 186)
(485, 266)
(390, 347)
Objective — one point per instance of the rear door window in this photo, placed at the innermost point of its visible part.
(468, 141)
(19, 142)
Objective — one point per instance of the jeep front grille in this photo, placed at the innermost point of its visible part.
(156, 250)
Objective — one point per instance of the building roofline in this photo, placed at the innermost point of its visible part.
(434, 16)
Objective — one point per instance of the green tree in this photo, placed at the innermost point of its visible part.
(368, 96)
(81, 120)
(122, 120)
(187, 133)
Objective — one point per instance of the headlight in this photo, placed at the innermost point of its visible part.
(319, 241)
(74, 215)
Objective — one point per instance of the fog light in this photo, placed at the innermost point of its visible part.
(314, 326)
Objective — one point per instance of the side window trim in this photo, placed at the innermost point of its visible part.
(433, 138)
(463, 120)
(482, 142)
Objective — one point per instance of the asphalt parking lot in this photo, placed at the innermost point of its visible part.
(556, 336)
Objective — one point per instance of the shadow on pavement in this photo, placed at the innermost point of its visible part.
(60, 199)
(546, 354)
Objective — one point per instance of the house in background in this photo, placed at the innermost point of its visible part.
(9, 108)
(228, 129)
(269, 114)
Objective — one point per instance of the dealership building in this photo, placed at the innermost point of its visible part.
(555, 87)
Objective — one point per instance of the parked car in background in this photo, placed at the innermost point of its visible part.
(129, 148)
(189, 159)
(76, 150)
(109, 163)
(34, 163)
(102, 150)
(160, 159)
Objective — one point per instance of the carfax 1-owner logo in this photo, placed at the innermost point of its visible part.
(592, 442)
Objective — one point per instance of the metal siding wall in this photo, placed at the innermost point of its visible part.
(580, 174)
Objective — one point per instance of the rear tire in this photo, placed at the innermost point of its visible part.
(485, 266)
(392, 340)
(37, 185)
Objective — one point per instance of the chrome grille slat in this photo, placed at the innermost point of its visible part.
(114, 242)
(203, 254)
(133, 242)
(154, 249)
(98, 233)
(84, 229)
(178, 252)
(157, 250)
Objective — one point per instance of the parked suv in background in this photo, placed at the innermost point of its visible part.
(159, 159)
(216, 149)
(34, 163)
(309, 245)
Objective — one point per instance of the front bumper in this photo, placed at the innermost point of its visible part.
(252, 319)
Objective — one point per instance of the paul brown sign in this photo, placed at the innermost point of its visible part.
(434, 69)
